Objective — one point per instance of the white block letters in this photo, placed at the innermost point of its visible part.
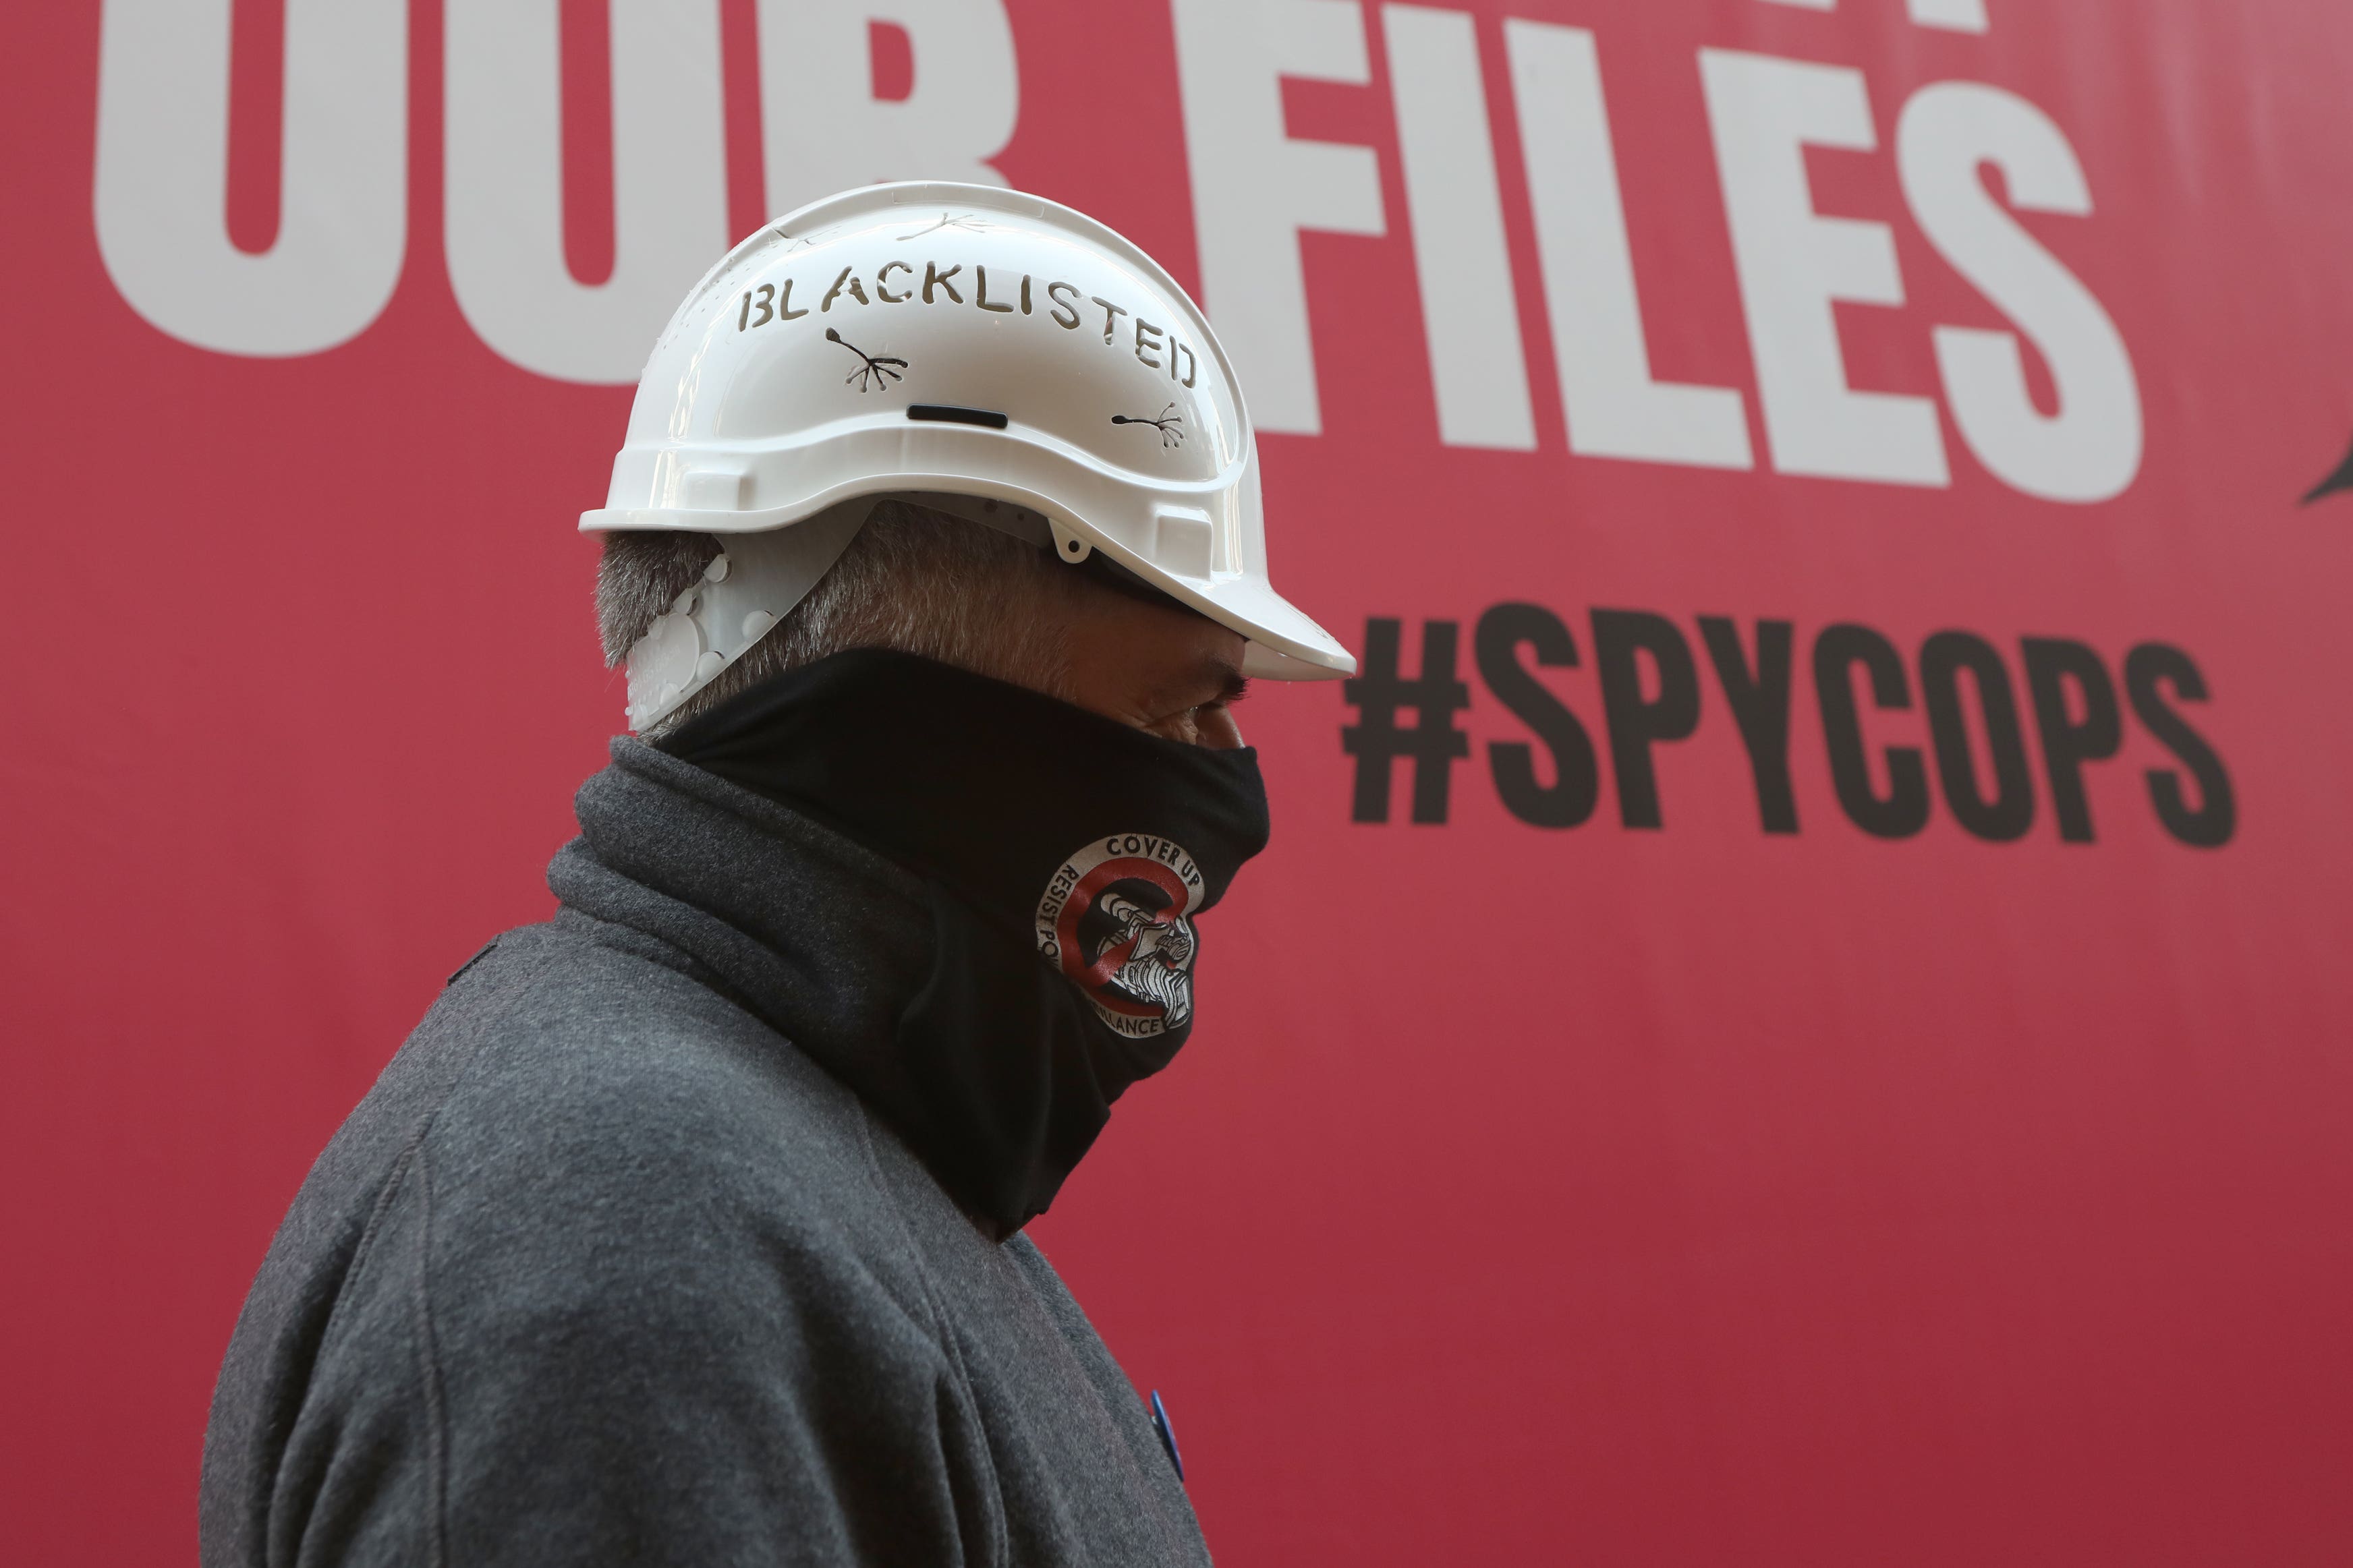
(1468, 313)
(161, 182)
(505, 181)
(1614, 408)
(2090, 449)
(1254, 187)
(1793, 264)
(825, 130)
(160, 176)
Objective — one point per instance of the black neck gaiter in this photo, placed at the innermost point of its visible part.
(1067, 857)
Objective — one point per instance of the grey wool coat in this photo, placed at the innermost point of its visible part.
(617, 1263)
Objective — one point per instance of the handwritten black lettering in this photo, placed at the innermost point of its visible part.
(885, 295)
(847, 281)
(933, 276)
(1110, 310)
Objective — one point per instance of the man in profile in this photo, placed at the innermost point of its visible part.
(688, 1225)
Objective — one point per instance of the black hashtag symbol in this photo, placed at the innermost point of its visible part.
(1433, 743)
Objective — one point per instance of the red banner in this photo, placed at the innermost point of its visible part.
(1798, 1009)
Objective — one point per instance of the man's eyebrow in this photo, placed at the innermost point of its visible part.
(1212, 680)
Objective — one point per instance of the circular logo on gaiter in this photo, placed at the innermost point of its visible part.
(1114, 921)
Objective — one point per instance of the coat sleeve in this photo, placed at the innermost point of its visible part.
(625, 1371)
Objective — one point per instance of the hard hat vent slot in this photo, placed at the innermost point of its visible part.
(949, 413)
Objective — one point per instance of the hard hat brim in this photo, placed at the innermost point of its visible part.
(1285, 642)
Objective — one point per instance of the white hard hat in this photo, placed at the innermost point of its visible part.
(978, 350)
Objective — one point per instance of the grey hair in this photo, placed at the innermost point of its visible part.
(913, 579)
